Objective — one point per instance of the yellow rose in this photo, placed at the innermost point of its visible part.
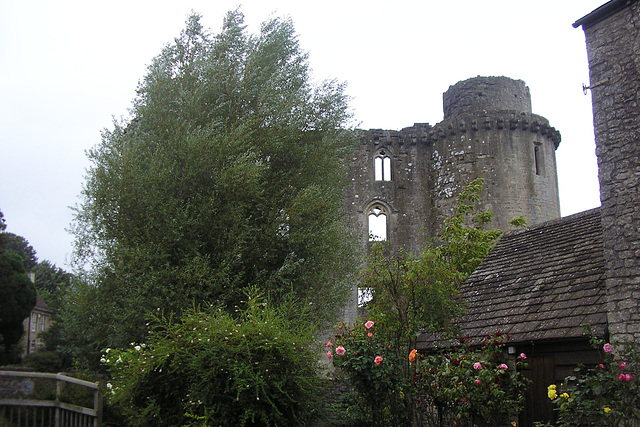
(606, 409)
(552, 394)
(565, 395)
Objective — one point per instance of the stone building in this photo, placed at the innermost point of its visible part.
(38, 321)
(613, 48)
(404, 183)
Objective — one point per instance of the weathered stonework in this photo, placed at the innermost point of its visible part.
(613, 47)
(488, 132)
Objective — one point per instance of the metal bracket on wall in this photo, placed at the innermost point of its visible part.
(585, 87)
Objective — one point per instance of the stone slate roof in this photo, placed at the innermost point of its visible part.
(538, 284)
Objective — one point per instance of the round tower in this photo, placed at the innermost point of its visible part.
(490, 132)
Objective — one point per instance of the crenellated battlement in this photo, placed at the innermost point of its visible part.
(507, 121)
(423, 133)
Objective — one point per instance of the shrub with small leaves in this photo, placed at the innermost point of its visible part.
(605, 395)
(469, 386)
(211, 368)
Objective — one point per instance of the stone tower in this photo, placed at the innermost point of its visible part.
(404, 183)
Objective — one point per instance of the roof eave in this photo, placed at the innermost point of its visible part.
(601, 13)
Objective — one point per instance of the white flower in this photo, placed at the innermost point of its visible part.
(137, 348)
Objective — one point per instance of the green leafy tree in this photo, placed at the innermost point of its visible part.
(227, 174)
(17, 299)
(410, 294)
(54, 286)
(19, 245)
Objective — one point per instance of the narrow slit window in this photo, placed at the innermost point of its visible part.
(382, 167)
(377, 224)
(538, 159)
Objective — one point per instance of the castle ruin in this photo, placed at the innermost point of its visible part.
(404, 183)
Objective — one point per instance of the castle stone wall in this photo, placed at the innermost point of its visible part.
(488, 132)
(480, 94)
(613, 47)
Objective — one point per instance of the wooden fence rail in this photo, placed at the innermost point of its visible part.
(48, 400)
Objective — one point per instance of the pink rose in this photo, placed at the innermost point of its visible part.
(377, 360)
(503, 367)
(622, 365)
(628, 377)
(329, 344)
(608, 348)
(340, 350)
(477, 381)
(329, 355)
(369, 334)
(477, 366)
(622, 377)
(523, 356)
(369, 324)
(601, 366)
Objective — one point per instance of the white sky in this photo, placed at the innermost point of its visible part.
(68, 67)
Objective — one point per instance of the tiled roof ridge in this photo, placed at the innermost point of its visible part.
(561, 220)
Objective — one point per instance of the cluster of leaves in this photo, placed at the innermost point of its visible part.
(17, 295)
(373, 370)
(605, 395)
(413, 294)
(229, 173)
(211, 368)
(469, 386)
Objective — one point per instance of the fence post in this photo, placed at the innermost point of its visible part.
(56, 419)
(97, 404)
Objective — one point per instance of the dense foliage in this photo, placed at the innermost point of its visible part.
(372, 367)
(417, 293)
(211, 368)
(410, 294)
(17, 298)
(20, 246)
(605, 395)
(228, 174)
(469, 386)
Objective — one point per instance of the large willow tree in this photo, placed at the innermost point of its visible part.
(228, 174)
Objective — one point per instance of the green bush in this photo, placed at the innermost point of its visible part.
(605, 395)
(372, 367)
(43, 361)
(213, 369)
(469, 386)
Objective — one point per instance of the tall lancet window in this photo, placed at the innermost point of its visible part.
(382, 166)
(378, 217)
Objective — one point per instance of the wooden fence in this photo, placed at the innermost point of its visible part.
(48, 400)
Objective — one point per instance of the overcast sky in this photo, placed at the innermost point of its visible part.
(68, 67)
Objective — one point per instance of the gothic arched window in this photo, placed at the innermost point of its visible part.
(382, 166)
(377, 216)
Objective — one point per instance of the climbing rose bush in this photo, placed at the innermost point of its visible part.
(372, 368)
(467, 386)
(604, 395)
